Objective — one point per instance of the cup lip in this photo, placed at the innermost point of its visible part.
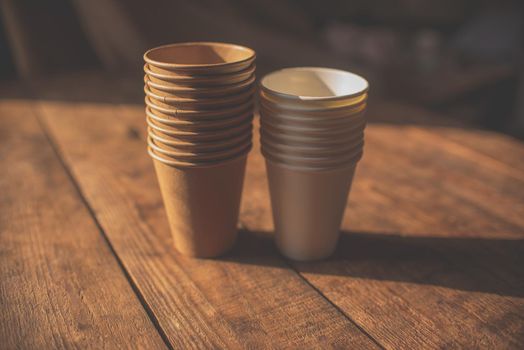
(320, 143)
(198, 146)
(196, 155)
(317, 158)
(337, 112)
(245, 95)
(196, 164)
(310, 139)
(311, 169)
(313, 98)
(200, 113)
(200, 78)
(225, 132)
(292, 161)
(332, 149)
(209, 124)
(320, 122)
(251, 55)
(234, 87)
(330, 131)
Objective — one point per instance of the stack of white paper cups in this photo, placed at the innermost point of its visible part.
(199, 107)
(312, 136)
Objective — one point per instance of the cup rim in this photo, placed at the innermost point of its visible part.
(310, 106)
(181, 66)
(200, 113)
(234, 87)
(213, 123)
(203, 164)
(312, 149)
(327, 113)
(200, 78)
(216, 101)
(309, 166)
(313, 123)
(225, 132)
(310, 169)
(317, 158)
(311, 139)
(199, 156)
(331, 131)
(199, 145)
(293, 97)
(320, 143)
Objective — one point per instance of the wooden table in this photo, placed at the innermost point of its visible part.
(432, 253)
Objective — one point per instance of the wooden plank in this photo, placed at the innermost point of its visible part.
(499, 147)
(424, 262)
(250, 298)
(60, 285)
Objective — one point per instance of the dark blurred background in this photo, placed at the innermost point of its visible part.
(460, 58)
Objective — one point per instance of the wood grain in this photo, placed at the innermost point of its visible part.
(430, 256)
(60, 285)
(248, 299)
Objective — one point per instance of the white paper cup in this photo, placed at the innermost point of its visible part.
(308, 207)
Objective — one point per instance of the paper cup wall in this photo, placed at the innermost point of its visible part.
(312, 136)
(199, 111)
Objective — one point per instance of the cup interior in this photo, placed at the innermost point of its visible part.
(197, 54)
(314, 83)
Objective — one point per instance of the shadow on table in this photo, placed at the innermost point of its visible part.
(469, 264)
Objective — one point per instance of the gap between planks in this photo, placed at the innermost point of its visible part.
(84, 201)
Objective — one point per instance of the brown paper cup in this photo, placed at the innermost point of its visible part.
(194, 136)
(209, 146)
(308, 207)
(196, 156)
(198, 81)
(196, 114)
(205, 92)
(199, 103)
(202, 204)
(198, 125)
(199, 58)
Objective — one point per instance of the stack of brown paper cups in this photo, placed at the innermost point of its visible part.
(199, 111)
(312, 136)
